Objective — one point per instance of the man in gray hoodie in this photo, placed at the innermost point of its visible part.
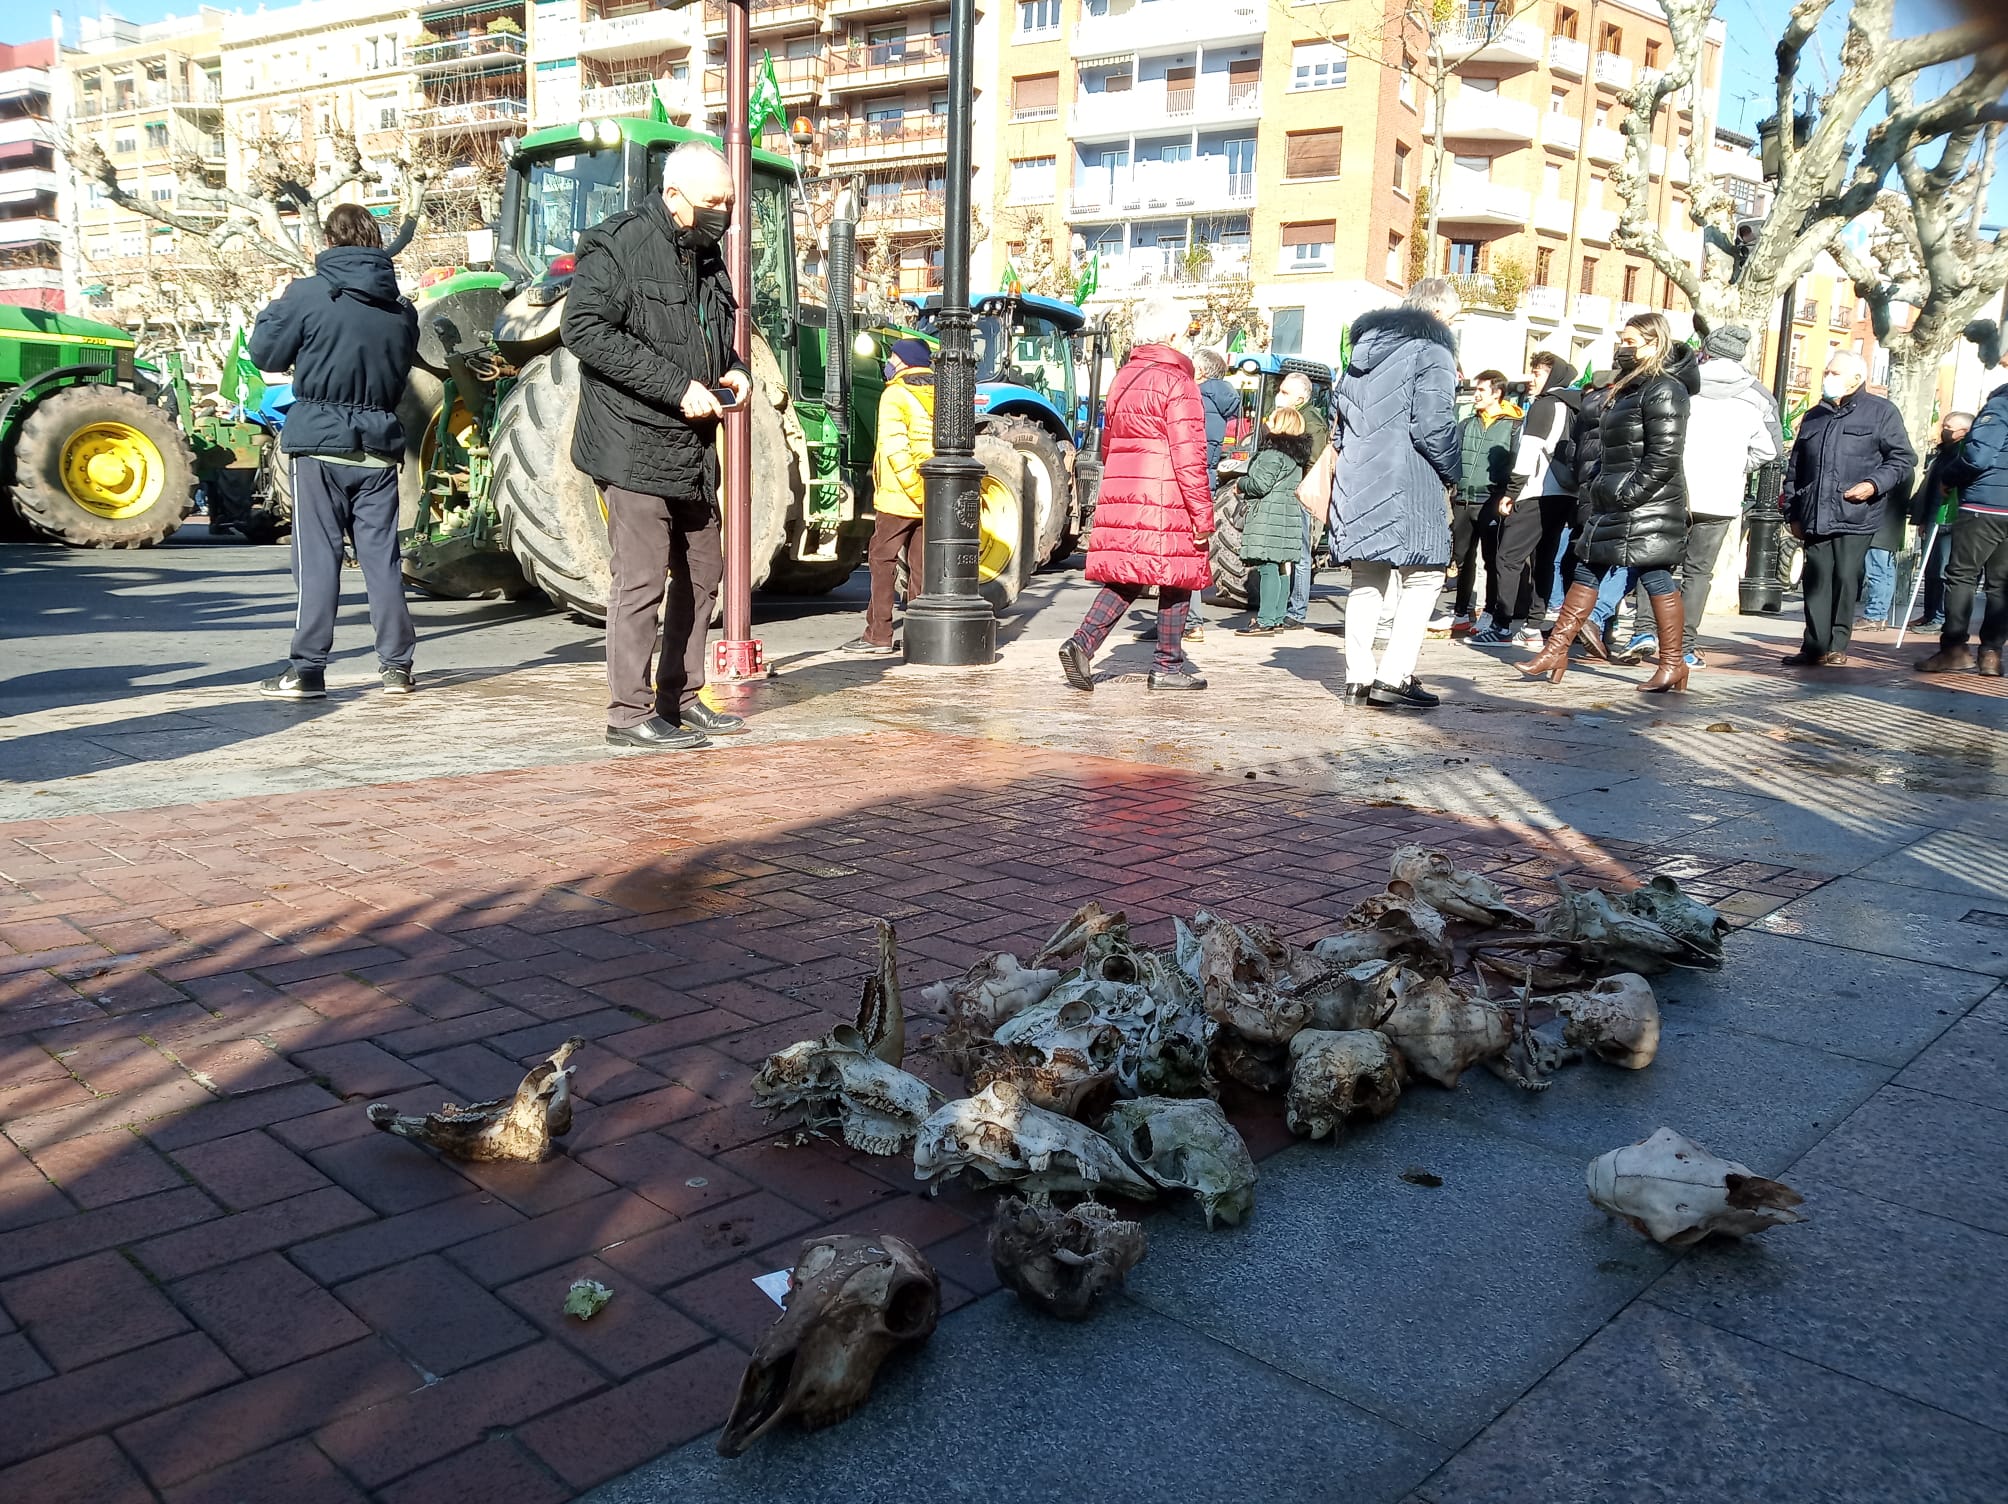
(1732, 429)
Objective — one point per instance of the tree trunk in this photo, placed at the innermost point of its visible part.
(1913, 387)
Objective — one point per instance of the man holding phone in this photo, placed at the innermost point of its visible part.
(649, 316)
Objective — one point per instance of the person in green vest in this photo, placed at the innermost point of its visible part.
(1937, 505)
(1272, 533)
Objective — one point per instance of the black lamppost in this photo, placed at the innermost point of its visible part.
(950, 623)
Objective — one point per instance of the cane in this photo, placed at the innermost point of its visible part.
(1917, 586)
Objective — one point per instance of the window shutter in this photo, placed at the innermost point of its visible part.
(1244, 70)
(1322, 233)
(1312, 154)
(1040, 92)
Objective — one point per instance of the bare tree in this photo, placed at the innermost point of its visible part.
(1824, 181)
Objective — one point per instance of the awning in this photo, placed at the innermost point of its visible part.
(448, 12)
(1106, 59)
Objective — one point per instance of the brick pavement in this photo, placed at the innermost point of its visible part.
(217, 1282)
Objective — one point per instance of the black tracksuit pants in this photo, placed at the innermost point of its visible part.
(330, 502)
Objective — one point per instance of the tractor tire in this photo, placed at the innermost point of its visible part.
(818, 576)
(1008, 522)
(270, 519)
(462, 570)
(1051, 480)
(1230, 575)
(102, 467)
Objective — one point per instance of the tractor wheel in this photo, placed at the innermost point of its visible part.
(460, 569)
(270, 519)
(1048, 474)
(1007, 522)
(818, 576)
(553, 517)
(102, 467)
(1230, 575)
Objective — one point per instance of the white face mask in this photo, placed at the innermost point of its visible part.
(1833, 388)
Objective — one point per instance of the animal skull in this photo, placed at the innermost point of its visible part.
(1155, 1040)
(1062, 1262)
(998, 1138)
(517, 1128)
(1617, 1020)
(1441, 1029)
(1187, 1144)
(881, 1021)
(1675, 1192)
(1611, 938)
(1702, 928)
(1390, 926)
(1065, 1082)
(1460, 895)
(994, 989)
(837, 1082)
(1355, 997)
(1534, 1055)
(851, 1301)
(1338, 1077)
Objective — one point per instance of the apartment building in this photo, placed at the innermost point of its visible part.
(151, 98)
(32, 196)
(1827, 315)
(591, 58)
(470, 68)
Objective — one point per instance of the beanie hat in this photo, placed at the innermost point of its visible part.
(912, 352)
(1727, 343)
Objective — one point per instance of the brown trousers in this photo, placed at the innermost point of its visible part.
(891, 536)
(659, 544)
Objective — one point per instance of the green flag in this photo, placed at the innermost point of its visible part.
(658, 112)
(240, 385)
(765, 105)
(1239, 343)
(1091, 278)
(1013, 283)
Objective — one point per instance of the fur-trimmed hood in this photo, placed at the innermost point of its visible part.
(1379, 334)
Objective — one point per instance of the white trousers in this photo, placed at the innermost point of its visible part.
(1416, 591)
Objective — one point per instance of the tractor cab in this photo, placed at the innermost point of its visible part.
(1257, 377)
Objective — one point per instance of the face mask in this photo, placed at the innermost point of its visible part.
(1834, 388)
(707, 226)
(1624, 358)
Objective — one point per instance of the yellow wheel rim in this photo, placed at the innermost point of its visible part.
(113, 470)
(998, 528)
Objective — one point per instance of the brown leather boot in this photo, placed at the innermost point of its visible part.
(1553, 659)
(1592, 640)
(1671, 674)
(1947, 660)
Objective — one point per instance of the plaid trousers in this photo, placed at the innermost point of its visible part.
(1173, 606)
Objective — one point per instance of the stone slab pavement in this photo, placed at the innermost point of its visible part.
(217, 1282)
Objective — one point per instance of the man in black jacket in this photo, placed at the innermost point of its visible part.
(348, 338)
(649, 315)
(1850, 459)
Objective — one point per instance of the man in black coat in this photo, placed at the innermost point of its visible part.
(649, 315)
(1849, 460)
(348, 338)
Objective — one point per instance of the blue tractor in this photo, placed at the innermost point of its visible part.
(1257, 377)
(1028, 350)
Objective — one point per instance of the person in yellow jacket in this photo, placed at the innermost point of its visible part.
(905, 438)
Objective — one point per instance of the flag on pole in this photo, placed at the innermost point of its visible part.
(658, 112)
(1013, 283)
(1239, 343)
(1091, 278)
(241, 384)
(765, 106)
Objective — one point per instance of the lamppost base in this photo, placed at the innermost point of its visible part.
(738, 658)
(952, 631)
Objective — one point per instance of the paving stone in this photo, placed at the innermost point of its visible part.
(112, 1226)
(471, 1073)
(102, 1168)
(380, 1244)
(278, 1225)
(91, 1309)
(668, 1174)
(90, 1472)
(239, 1114)
(496, 1469)
(726, 1301)
(1951, 861)
(950, 1421)
(294, 1471)
(591, 1128)
(238, 1067)
(435, 1313)
(631, 1332)
(1889, 919)
(597, 1438)
(717, 1235)
(536, 1189)
(359, 1069)
(584, 1227)
(389, 1173)
(249, 1169)
(1930, 1153)
(1699, 1407)
(85, 1401)
(1968, 1061)
(810, 1176)
(265, 1313)
(20, 1363)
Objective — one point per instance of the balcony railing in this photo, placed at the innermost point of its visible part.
(1802, 378)
(1808, 312)
(1481, 115)
(618, 99)
(1477, 39)
(1172, 188)
(1598, 224)
(90, 104)
(1613, 71)
(765, 15)
(886, 140)
(1606, 144)
(635, 34)
(799, 78)
(1567, 56)
(1099, 113)
(911, 57)
(471, 115)
(1476, 201)
(1556, 214)
(1843, 317)
(469, 47)
(914, 209)
(1545, 303)
(1593, 309)
(1166, 23)
(1565, 131)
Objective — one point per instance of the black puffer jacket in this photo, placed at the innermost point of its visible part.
(647, 315)
(348, 338)
(1638, 506)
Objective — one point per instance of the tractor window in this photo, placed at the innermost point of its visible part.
(773, 261)
(565, 195)
(1034, 352)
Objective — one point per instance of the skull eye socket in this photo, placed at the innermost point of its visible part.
(1140, 1140)
(911, 1309)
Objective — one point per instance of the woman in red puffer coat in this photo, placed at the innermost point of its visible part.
(1155, 511)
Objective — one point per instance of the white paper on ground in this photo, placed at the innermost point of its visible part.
(774, 1286)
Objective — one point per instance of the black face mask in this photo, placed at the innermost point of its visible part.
(1624, 357)
(707, 226)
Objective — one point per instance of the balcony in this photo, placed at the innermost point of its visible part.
(1563, 132)
(910, 60)
(764, 16)
(642, 33)
(93, 104)
(1482, 115)
(1629, 310)
(872, 7)
(23, 83)
(1842, 318)
(1163, 188)
(1167, 25)
(1214, 102)
(1475, 40)
(30, 232)
(1593, 309)
(913, 211)
(1476, 201)
(1173, 266)
(1808, 312)
(18, 184)
(1613, 71)
(471, 52)
(1605, 144)
(471, 115)
(1597, 224)
(853, 143)
(1556, 214)
(1802, 379)
(1568, 57)
(619, 99)
(801, 80)
(27, 128)
(1549, 303)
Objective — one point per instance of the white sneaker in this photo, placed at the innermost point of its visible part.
(1443, 623)
(1528, 637)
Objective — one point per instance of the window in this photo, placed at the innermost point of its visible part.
(1392, 271)
(1611, 39)
(1603, 116)
(1565, 22)
(387, 117)
(1309, 247)
(1318, 65)
(1286, 331)
(125, 143)
(156, 135)
(1630, 293)
(1032, 180)
(1406, 87)
(1651, 53)
(1544, 266)
(1244, 81)
(1036, 97)
(1551, 180)
(1587, 283)
(1038, 18)
(1312, 154)
(1464, 258)
(1401, 156)
(1558, 101)
(1180, 88)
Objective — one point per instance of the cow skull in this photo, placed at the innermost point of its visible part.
(1441, 1029)
(1617, 1020)
(1338, 1077)
(1687, 919)
(1609, 937)
(1354, 997)
(1160, 1037)
(1062, 1262)
(1392, 926)
(996, 988)
(851, 1302)
(837, 1082)
(1675, 1192)
(516, 1128)
(1457, 894)
(1187, 1144)
(998, 1138)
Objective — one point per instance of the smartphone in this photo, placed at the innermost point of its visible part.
(724, 396)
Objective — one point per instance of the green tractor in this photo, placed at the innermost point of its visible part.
(91, 455)
(492, 503)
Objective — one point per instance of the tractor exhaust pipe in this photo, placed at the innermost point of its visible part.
(841, 270)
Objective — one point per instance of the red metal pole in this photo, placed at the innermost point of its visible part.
(738, 655)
